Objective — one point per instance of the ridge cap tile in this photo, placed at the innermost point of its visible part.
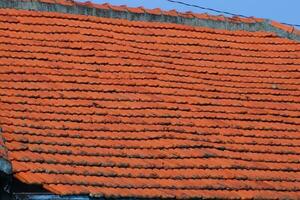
(119, 8)
(139, 10)
(281, 26)
(102, 6)
(154, 11)
(172, 12)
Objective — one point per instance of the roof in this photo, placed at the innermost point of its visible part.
(125, 108)
(157, 15)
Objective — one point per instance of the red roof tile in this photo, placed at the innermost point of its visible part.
(110, 107)
(171, 13)
(156, 11)
(284, 27)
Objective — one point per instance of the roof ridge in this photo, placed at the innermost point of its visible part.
(173, 12)
(158, 11)
(157, 14)
(155, 11)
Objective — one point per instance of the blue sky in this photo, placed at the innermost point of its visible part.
(284, 11)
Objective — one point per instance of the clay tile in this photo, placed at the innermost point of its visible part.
(217, 17)
(222, 18)
(296, 31)
(124, 7)
(202, 16)
(258, 19)
(171, 13)
(185, 15)
(246, 20)
(142, 8)
(79, 3)
(252, 19)
(235, 19)
(104, 6)
(283, 27)
(190, 13)
(66, 2)
(212, 17)
(136, 10)
(118, 8)
(88, 4)
(48, 1)
(155, 11)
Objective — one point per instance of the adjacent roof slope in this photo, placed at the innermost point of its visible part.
(111, 107)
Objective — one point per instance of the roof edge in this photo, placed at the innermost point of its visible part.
(155, 15)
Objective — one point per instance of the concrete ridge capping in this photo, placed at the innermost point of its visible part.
(155, 15)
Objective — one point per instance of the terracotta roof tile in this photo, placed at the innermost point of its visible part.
(71, 2)
(118, 8)
(171, 13)
(102, 6)
(50, 1)
(186, 15)
(284, 27)
(155, 11)
(118, 108)
(139, 10)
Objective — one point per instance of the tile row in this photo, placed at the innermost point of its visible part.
(102, 37)
(122, 23)
(61, 27)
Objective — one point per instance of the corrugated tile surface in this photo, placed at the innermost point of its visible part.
(116, 108)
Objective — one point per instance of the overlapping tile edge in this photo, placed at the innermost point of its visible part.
(142, 14)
